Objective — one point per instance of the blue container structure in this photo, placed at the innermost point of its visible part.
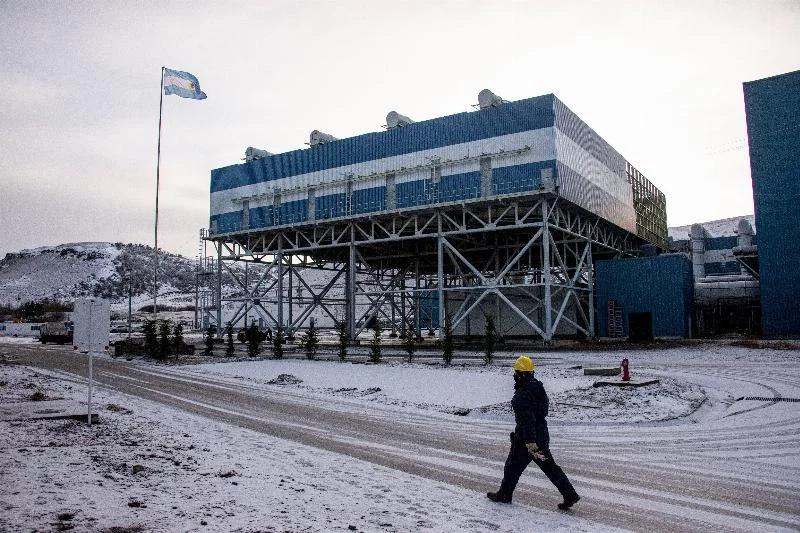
(495, 211)
(772, 106)
(467, 157)
(645, 297)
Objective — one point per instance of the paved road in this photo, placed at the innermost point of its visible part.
(736, 469)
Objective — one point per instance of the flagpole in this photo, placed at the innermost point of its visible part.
(158, 165)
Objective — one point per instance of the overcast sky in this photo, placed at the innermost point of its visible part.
(661, 81)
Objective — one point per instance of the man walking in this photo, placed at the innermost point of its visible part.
(530, 440)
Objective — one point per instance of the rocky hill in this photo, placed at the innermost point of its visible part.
(69, 271)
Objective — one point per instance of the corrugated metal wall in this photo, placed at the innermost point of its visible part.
(661, 285)
(591, 173)
(772, 107)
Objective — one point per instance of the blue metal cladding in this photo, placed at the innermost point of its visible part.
(428, 310)
(576, 129)
(226, 222)
(293, 212)
(330, 206)
(772, 108)
(662, 285)
(720, 243)
(413, 193)
(519, 178)
(460, 186)
(600, 189)
(369, 200)
(513, 117)
(722, 269)
(262, 216)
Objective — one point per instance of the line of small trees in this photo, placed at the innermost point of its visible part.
(163, 340)
(410, 341)
(35, 311)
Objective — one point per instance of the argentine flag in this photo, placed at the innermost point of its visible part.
(183, 84)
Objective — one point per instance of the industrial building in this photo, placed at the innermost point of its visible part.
(495, 214)
(743, 281)
(518, 213)
(645, 297)
(772, 106)
(725, 272)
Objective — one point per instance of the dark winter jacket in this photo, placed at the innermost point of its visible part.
(530, 405)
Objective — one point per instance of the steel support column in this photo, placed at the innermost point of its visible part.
(440, 274)
(548, 291)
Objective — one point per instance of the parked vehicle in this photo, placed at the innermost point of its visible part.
(56, 332)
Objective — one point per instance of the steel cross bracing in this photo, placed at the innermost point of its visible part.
(528, 263)
(258, 295)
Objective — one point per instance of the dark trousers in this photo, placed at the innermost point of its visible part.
(519, 458)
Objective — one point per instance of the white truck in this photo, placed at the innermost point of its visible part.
(56, 332)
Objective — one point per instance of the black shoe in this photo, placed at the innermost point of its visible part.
(498, 497)
(568, 502)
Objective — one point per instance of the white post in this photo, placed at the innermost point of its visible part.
(89, 414)
(158, 171)
(92, 324)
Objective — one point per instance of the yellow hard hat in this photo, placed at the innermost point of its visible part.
(524, 364)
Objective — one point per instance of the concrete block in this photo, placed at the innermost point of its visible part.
(50, 410)
(613, 371)
(631, 383)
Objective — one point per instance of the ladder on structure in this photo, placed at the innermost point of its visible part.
(614, 319)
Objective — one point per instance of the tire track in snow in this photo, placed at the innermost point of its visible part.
(680, 491)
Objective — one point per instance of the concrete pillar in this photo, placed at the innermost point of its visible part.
(745, 233)
(698, 236)
(391, 192)
(486, 177)
(312, 204)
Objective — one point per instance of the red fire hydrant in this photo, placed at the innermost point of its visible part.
(625, 375)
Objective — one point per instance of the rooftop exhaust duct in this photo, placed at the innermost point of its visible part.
(251, 154)
(487, 98)
(745, 233)
(396, 120)
(317, 137)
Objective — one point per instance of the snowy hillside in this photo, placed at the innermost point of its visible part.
(70, 271)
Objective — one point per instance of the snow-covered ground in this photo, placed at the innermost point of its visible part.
(146, 467)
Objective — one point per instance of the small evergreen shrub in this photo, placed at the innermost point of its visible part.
(209, 340)
(150, 338)
(177, 338)
(229, 351)
(489, 340)
(409, 340)
(311, 341)
(375, 343)
(277, 343)
(253, 340)
(447, 340)
(344, 339)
